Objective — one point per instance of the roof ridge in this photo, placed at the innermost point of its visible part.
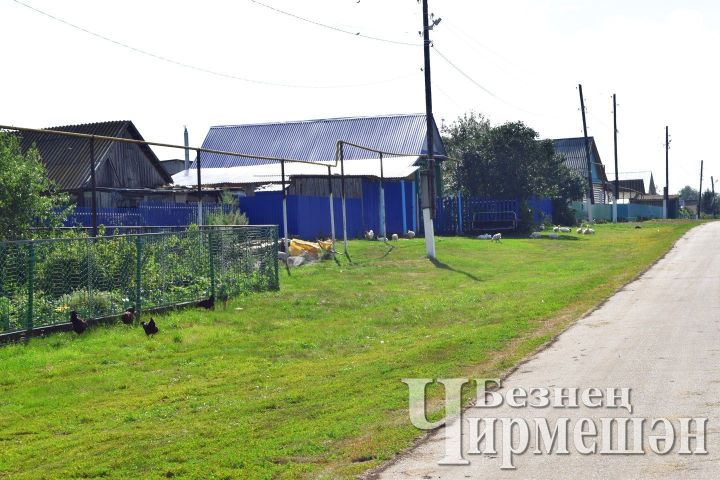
(316, 120)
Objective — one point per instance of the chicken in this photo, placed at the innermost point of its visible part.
(369, 235)
(209, 303)
(150, 327)
(128, 316)
(410, 234)
(78, 325)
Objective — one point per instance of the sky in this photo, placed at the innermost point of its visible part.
(169, 64)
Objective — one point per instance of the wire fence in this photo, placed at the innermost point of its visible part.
(42, 281)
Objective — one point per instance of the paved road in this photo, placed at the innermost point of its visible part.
(659, 336)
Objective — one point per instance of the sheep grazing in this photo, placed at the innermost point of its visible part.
(556, 228)
(395, 237)
(584, 231)
(579, 230)
(369, 235)
(564, 229)
(535, 235)
(497, 237)
(410, 234)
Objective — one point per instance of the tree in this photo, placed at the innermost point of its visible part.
(688, 193)
(709, 203)
(28, 197)
(507, 162)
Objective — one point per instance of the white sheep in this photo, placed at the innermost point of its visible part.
(590, 231)
(497, 237)
(542, 226)
(556, 228)
(410, 234)
(564, 230)
(579, 230)
(395, 237)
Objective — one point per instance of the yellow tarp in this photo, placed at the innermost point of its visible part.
(298, 247)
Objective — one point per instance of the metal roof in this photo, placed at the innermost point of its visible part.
(67, 159)
(393, 168)
(315, 140)
(634, 185)
(576, 159)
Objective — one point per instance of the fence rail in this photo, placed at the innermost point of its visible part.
(41, 281)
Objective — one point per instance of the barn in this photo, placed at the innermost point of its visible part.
(125, 174)
(258, 181)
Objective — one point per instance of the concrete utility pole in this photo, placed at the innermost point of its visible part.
(591, 194)
(617, 181)
(428, 185)
(666, 193)
(700, 191)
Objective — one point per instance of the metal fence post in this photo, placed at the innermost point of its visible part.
(138, 273)
(211, 259)
(31, 285)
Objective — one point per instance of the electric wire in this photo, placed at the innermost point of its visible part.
(337, 29)
(203, 69)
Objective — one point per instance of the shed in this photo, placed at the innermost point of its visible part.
(125, 173)
(315, 142)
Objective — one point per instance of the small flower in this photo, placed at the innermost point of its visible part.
(62, 308)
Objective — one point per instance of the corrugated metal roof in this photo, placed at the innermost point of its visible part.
(393, 168)
(634, 185)
(576, 159)
(315, 140)
(67, 159)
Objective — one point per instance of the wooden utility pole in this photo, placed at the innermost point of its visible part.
(428, 202)
(591, 193)
(699, 208)
(666, 193)
(617, 181)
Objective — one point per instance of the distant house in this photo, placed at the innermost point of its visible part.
(631, 188)
(576, 159)
(125, 173)
(403, 137)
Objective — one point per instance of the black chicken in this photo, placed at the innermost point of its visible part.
(128, 316)
(78, 325)
(150, 327)
(208, 304)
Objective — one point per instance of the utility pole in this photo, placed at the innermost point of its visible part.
(617, 181)
(93, 186)
(666, 193)
(428, 185)
(700, 191)
(591, 194)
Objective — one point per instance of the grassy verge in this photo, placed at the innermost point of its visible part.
(304, 382)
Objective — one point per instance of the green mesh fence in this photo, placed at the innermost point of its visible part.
(41, 281)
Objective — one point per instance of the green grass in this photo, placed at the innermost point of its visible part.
(304, 382)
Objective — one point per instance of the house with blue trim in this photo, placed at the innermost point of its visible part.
(311, 171)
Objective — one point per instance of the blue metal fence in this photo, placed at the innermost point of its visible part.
(146, 214)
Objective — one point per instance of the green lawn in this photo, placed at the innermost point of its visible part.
(305, 382)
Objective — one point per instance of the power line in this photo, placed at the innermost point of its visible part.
(483, 88)
(202, 69)
(337, 29)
